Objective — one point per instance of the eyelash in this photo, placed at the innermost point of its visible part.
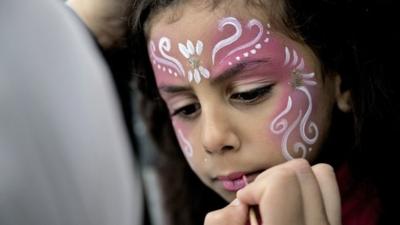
(190, 111)
(259, 93)
(181, 111)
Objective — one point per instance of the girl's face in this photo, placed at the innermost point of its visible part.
(243, 97)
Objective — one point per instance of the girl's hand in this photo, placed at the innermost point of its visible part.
(292, 193)
(235, 213)
(107, 19)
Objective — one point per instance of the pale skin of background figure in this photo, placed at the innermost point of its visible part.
(106, 19)
(287, 192)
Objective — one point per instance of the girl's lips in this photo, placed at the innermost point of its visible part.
(233, 185)
(234, 181)
(232, 176)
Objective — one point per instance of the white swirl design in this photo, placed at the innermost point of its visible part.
(308, 129)
(295, 58)
(163, 61)
(300, 147)
(229, 40)
(165, 45)
(251, 24)
(287, 56)
(312, 127)
(280, 124)
(285, 150)
(186, 146)
(301, 65)
(159, 59)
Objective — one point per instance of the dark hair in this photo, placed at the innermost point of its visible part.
(353, 38)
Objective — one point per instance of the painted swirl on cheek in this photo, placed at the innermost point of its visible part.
(185, 144)
(308, 129)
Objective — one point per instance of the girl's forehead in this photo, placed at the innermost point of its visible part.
(193, 20)
(204, 43)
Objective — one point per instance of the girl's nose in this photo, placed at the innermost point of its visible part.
(218, 133)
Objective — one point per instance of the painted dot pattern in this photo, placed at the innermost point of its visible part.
(256, 47)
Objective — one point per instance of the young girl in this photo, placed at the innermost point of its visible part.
(245, 87)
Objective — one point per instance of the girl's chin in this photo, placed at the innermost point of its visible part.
(228, 196)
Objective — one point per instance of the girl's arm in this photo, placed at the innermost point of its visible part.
(105, 18)
(287, 194)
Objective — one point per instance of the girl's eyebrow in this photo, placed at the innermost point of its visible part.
(237, 68)
(228, 73)
(171, 89)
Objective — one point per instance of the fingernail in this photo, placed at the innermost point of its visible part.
(235, 202)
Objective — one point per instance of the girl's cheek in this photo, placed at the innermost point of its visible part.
(182, 133)
(294, 125)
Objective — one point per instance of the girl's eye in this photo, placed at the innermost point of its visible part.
(187, 111)
(252, 96)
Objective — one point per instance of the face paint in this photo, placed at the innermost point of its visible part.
(185, 144)
(260, 95)
(245, 40)
(253, 39)
(193, 54)
(280, 125)
(165, 64)
(181, 132)
(237, 42)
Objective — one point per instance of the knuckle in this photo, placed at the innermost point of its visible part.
(284, 173)
(300, 163)
(300, 167)
(323, 168)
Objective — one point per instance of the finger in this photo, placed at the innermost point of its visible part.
(278, 195)
(330, 192)
(235, 213)
(252, 193)
(313, 205)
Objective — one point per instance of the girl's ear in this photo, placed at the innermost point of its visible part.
(342, 97)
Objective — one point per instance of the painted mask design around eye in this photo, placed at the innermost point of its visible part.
(234, 48)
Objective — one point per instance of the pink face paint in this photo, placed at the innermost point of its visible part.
(238, 42)
(165, 64)
(241, 43)
(185, 144)
(181, 133)
(193, 53)
(162, 60)
(295, 118)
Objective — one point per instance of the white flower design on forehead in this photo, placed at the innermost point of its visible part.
(166, 63)
(193, 55)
